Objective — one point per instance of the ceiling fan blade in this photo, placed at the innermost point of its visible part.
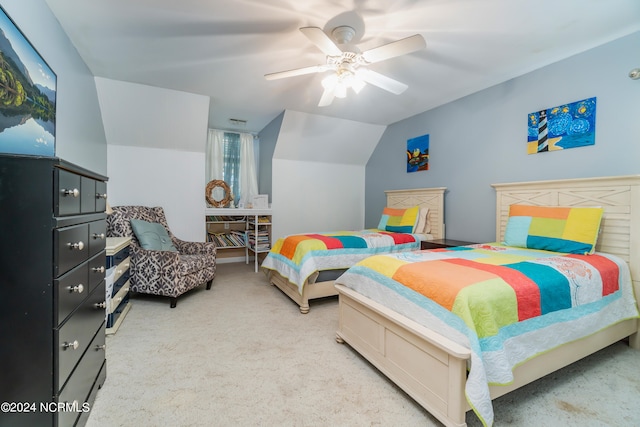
(393, 49)
(320, 39)
(296, 72)
(381, 81)
(327, 97)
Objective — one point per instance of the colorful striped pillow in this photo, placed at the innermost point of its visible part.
(399, 220)
(557, 229)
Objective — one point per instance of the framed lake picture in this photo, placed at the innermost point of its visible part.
(27, 95)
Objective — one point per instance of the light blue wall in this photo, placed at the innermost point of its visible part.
(80, 135)
(481, 139)
(268, 140)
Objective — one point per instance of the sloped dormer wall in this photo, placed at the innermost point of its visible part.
(317, 171)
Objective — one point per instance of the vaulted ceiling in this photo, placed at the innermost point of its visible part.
(223, 48)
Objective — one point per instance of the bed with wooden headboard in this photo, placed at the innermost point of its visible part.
(432, 368)
(321, 284)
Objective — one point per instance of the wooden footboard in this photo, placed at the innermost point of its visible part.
(429, 367)
(310, 290)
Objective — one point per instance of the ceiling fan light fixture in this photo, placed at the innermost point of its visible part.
(346, 62)
(351, 80)
(341, 81)
(330, 81)
(340, 90)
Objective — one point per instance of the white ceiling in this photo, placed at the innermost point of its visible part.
(223, 48)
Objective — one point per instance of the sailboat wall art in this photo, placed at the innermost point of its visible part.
(27, 95)
(562, 127)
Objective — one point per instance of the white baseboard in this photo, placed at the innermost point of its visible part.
(232, 259)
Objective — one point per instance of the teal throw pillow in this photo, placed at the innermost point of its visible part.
(152, 236)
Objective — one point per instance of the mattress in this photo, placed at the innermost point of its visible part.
(504, 304)
(298, 257)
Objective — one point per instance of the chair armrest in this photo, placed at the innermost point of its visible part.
(157, 257)
(194, 248)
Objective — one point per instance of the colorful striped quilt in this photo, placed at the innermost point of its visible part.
(506, 304)
(298, 256)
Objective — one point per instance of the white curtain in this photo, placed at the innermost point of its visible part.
(214, 167)
(248, 175)
(215, 164)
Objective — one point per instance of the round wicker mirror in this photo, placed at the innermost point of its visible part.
(218, 193)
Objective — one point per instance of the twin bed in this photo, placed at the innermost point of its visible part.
(451, 359)
(312, 274)
(438, 349)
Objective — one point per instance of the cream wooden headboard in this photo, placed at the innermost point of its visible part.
(618, 195)
(432, 198)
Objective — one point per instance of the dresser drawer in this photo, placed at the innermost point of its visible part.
(122, 268)
(74, 336)
(121, 295)
(93, 195)
(67, 198)
(100, 379)
(121, 277)
(101, 196)
(71, 247)
(96, 270)
(79, 386)
(118, 257)
(112, 318)
(87, 195)
(71, 289)
(97, 236)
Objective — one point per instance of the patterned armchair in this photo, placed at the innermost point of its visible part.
(164, 273)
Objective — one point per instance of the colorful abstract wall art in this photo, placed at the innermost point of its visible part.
(27, 95)
(418, 153)
(566, 126)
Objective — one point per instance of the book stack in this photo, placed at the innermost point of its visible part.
(259, 241)
(224, 240)
(225, 218)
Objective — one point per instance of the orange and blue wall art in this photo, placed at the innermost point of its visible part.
(418, 153)
(566, 126)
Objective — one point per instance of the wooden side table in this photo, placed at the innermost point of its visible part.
(443, 243)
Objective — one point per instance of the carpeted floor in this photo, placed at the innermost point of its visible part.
(241, 354)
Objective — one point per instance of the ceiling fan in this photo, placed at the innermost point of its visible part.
(349, 66)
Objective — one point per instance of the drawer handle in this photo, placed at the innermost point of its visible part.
(101, 347)
(101, 196)
(98, 269)
(78, 288)
(98, 236)
(75, 192)
(71, 345)
(79, 246)
(102, 304)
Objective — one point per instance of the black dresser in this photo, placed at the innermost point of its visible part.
(52, 291)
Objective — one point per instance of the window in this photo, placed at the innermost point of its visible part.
(230, 157)
(231, 163)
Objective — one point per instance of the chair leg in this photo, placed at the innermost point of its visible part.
(173, 301)
(209, 283)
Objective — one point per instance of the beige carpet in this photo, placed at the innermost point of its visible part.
(241, 354)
